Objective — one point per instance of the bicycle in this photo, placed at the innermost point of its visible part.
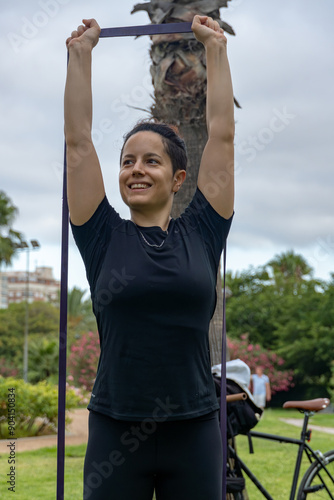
(318, 480)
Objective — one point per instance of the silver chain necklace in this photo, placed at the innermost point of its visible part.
(152, 244)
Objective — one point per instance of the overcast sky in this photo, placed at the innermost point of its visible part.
(283, 74)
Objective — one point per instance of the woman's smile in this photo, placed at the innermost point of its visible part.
(135, 186)
(146, 171)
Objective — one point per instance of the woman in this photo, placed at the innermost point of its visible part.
(153, 422)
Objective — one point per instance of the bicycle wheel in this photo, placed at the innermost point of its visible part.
(316, 483)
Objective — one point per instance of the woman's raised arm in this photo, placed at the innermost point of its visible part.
(216, 174)
(85, 189)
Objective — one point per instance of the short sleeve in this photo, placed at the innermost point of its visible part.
(93, 237)
(214, 228)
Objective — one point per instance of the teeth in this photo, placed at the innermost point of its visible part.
(139, 186)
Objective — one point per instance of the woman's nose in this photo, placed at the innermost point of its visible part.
(138, 168)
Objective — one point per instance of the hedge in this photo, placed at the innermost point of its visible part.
(30, 410)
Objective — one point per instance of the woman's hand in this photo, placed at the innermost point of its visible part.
(86, 35)
(206, 30)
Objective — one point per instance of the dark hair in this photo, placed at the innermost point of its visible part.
(174, 145)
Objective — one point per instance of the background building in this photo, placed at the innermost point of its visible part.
(3, 291)
(42, 286)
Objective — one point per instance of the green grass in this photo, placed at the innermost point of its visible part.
(273, 463)
(37, 470)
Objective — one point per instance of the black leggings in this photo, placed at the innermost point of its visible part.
(180, 460)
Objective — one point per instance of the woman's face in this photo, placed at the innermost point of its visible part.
(146, 177)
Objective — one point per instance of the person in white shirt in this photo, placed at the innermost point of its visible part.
(260, 387)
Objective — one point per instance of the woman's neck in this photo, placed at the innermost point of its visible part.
(157, 219)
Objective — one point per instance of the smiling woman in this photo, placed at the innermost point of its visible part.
(153, 423)
(149, 170)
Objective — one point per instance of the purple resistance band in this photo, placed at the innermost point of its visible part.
(150, 29)
(62, 341)
(223, 409)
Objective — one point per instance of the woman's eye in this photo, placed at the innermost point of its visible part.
(151, 160)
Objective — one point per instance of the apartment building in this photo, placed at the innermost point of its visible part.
(15, 286)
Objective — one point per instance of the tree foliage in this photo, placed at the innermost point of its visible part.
(281, 307)
(80, 313)
(43, 360)
(43, 322)
(43, 328)
(8, 236)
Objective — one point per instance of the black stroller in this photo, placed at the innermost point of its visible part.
(242, 416)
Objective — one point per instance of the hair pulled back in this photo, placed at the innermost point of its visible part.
(174, 145)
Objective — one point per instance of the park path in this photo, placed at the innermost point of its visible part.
(298, 422)
(77, 433)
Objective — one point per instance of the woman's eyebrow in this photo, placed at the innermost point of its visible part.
(152, 154)
(130, 155)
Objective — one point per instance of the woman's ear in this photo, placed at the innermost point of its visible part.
(179, 178)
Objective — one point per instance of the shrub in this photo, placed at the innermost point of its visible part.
(255, 355)
(83, 359)
(34, 408)
(331, 383)
(7, 369)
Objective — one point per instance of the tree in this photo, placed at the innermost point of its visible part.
(289, 271)
(8, 236)
(282, 308)
(80, 313)
(252, 307)
(43, 360)
(43, 322)
(179, 79)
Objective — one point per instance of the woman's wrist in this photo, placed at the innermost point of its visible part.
(215, 44)
(80, 47)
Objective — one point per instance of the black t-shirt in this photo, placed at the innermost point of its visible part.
(153, 296)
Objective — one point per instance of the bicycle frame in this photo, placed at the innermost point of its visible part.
(302, 447)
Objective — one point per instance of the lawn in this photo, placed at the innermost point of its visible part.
(272, 462)
(36, 474)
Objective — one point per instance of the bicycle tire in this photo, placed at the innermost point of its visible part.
(311, 487)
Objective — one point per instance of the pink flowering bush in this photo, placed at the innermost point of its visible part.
(80, 392)
(7, 369)
(255, 355)
(83, 360)
(331, 383)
